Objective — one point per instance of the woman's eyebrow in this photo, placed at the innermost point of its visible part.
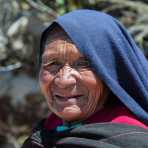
(49, 57)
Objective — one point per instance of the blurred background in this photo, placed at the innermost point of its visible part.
(21, 24)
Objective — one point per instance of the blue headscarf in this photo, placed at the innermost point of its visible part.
(113, 54)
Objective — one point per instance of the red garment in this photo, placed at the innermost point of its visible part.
(117, 114)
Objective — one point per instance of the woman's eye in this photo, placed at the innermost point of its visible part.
(52, 63)
(52, 66)
(82, 64)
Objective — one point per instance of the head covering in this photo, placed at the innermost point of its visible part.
(113, 54)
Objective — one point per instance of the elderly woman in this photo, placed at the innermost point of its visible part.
(95, 81)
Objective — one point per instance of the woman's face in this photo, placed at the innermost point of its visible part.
(72, 90)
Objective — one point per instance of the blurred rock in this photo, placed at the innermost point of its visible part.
(18, 87)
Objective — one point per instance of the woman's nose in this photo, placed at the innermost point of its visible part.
(65, 78)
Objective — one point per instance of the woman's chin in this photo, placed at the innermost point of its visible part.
(71, 113)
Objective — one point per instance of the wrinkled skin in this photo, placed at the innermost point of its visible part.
(72, 90)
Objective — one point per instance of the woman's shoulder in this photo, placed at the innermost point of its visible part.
(100, 134)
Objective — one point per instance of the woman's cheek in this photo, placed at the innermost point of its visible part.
(44, 80)
(44, 77)
(89, 79)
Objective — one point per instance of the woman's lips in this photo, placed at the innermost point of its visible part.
(61, 98)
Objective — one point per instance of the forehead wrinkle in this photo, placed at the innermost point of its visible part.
(62, 51)
(58, 36)
(70, 52)
(62, 47)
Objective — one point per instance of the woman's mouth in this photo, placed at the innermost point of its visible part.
(61, 99)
